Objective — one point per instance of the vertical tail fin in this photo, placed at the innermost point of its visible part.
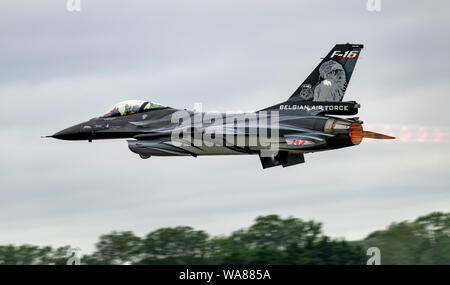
(330, 78)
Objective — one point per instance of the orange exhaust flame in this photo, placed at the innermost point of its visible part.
(415, 134)
(356, 133)
(373, 135)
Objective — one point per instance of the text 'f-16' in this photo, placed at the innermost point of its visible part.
(313, 119)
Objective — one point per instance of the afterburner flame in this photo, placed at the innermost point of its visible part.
(414, 133)
(356, 133)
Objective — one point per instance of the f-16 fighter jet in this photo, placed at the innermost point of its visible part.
(314, 118)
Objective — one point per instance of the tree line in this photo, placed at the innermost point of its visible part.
(269, 240)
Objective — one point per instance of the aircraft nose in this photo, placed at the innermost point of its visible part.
(71, 133)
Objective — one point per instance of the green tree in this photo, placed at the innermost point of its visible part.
(424, 241)
(59, 255)
(180, 245)
(277, 233)
(436, 229)
(116, 248)
(32, 255)
(273, 240)
(270, 240)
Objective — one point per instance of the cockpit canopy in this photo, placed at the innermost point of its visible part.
(131, 107)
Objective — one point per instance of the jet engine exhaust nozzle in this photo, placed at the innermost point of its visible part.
(357, 134)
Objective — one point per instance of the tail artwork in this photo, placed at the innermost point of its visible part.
(329, 80)
(323, 90)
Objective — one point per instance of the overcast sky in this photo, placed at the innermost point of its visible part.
(58, 68)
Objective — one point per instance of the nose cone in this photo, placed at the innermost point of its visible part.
(71, 133)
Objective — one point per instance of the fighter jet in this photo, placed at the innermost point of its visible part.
(314, 118)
